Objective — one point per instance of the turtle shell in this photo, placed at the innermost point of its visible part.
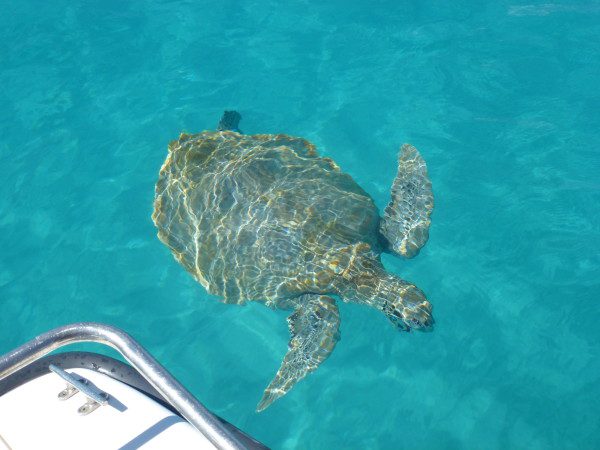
(260, 217)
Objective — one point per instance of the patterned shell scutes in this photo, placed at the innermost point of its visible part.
(259, 217)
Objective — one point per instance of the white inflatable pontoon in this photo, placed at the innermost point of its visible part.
(81, 400)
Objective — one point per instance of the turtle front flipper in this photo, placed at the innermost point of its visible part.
(405, 224)
(314, 327)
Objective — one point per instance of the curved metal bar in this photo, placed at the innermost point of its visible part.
(173, 391)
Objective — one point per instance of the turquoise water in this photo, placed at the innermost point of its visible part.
(502, 100)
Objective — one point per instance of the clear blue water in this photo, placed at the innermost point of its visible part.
(500, 97)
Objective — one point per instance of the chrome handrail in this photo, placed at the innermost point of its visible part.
(172, 391)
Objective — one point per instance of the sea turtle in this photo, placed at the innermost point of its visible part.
(264, 218)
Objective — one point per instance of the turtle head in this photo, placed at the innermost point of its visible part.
(408, 309)
(405, 305)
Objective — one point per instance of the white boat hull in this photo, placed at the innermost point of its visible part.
(32, 417)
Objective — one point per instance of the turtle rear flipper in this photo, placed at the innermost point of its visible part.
(230, 121)
(314, 327)
(405, 224)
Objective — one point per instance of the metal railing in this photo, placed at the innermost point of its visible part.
(172, 391)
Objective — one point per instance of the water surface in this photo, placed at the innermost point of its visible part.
(501, 98)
